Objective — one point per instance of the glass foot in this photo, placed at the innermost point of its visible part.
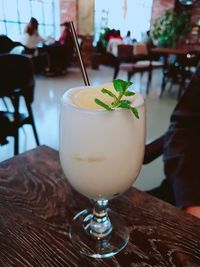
(102, 246)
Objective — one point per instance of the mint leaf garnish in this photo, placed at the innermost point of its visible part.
(125, 104)
(106, 91)
(129, 93)
(100, 103)
(121, 87)
(135, 112)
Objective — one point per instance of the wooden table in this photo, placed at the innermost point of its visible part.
(37, 205)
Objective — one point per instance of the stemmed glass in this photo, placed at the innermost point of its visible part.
(101, 153)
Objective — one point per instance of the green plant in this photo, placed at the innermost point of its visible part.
(168, 28)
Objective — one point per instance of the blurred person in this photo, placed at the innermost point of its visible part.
(119, 35)
(114, 41)
(60, 52)
(33, 43)
(65, 35)
(148, 40)
(31, 37)
(104, 37)
(181, 146)
(66, 40)
(115, 34)
(127, 39)
(66, 44)
(112, 51)
(111, 34)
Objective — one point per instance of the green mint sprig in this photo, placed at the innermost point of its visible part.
(121, 87)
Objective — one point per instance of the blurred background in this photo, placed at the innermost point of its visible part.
(102, 26)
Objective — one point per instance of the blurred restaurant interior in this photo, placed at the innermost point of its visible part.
(153, 43)
(69, 159)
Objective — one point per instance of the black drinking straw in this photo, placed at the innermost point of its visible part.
(82, 66)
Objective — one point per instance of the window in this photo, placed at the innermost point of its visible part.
(15, 14)
(133, 15)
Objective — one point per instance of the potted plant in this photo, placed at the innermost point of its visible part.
(169, 28)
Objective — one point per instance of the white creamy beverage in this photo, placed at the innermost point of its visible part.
(100, 151)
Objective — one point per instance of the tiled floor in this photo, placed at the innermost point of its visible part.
(46, 107)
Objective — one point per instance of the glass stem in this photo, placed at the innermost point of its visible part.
(100, 225)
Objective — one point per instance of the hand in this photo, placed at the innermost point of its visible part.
(194, 210)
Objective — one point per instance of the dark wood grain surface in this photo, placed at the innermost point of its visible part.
(37, 205)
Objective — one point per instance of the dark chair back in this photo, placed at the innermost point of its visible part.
(125, 51)
(16, 80)
(6, 44)
(16, 73)
(179, 71)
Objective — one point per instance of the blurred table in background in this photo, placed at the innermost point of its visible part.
(177, 64)
(166, 52)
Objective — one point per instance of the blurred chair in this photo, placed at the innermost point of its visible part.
(142, 62)
(140, 50)
(7, 45)
(40, 59)
(17, 50)
(179, 71)
(16, 81)
(125, 52)
(5, 124)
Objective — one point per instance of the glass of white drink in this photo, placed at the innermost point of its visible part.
(101, 153)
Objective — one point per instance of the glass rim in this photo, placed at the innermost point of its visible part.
(66, 101)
